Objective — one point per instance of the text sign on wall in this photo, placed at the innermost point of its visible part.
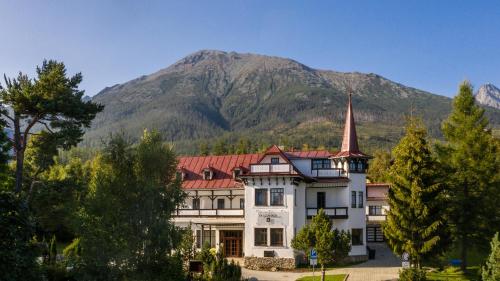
(272, 218)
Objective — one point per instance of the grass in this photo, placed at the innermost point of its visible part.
(307, 268)
(454, 274)
(336, 277)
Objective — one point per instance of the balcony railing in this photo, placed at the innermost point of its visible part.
(333, 212)
(376, 218)
(270, 168)
(328, 173)
(209, 213)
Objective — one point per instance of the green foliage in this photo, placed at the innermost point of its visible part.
(416, 221)
(56, 196)
(207, 257)
(18, 253)
(412, 274)
(53, 101)
(220, 147)
(187, 247)
(126, 229)
(470, 159)
(491, 271)
(224, 271)
(73, 251)
(52, 258)
(379, 167)
(331, 246)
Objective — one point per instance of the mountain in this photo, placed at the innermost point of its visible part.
(212, 95)
(488, 95)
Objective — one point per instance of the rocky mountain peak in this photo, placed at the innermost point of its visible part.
(488, 94)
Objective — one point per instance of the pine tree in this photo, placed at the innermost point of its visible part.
(415, 222)
(470, 158)
(491, 271)
(204, 149)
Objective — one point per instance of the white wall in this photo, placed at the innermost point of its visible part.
(357, 216)
(285, 217)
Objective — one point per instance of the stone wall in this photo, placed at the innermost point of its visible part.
(270, 264)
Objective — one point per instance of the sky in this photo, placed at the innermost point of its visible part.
(430, 45)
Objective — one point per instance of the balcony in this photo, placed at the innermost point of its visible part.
(376, 218)
(333, 212)
(328, 173)
(271, 168)
(209, 213)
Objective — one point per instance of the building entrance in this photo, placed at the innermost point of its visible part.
(232, 241)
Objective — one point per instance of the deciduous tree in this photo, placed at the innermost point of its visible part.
(331, 245)
(126, 230)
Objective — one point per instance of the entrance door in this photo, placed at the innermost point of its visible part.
(374, 234)
(233, 240)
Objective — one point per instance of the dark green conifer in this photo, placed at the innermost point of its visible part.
(471, 162)
(416, 221)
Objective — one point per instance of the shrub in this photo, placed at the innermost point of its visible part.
(491, 272)
(412, 274)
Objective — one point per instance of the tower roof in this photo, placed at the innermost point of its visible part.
(350, 146)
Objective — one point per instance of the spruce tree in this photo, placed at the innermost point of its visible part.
(470, 159)
(415, 222)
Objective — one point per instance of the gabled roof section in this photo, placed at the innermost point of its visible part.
(350, 146)
(274, 150)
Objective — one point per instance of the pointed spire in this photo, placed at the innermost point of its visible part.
(350, 140)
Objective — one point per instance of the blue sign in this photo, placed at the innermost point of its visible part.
(314, 254)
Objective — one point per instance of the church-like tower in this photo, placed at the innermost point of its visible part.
(351, 158)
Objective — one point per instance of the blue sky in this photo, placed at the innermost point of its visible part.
(430, 45)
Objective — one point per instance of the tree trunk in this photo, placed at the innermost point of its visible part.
(19, 148)
(322, 272)
(463, 254)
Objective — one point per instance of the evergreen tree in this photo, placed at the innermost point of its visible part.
(204, 149)
(416, 221)
(331, 246)
(470, 157)
(491, 272)
(379, 166)
(243, 146)
(52, 101)
(220, 147)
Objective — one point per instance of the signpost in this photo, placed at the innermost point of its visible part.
(313, 259)
(405, 260)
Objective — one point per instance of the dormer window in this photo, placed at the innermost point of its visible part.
(207, 174)
(275, 160)
(236, 173)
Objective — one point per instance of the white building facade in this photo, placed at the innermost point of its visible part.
(252, 205)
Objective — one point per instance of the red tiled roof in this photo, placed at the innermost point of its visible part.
(309, 154)
(377, 191)
(222, 166)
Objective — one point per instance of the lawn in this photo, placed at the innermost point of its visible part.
(454, 274)
(336, 277)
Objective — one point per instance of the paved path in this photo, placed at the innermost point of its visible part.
(384, 267)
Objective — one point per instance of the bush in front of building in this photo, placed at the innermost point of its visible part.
(222, 270)
(491, 271)
(412, 274)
